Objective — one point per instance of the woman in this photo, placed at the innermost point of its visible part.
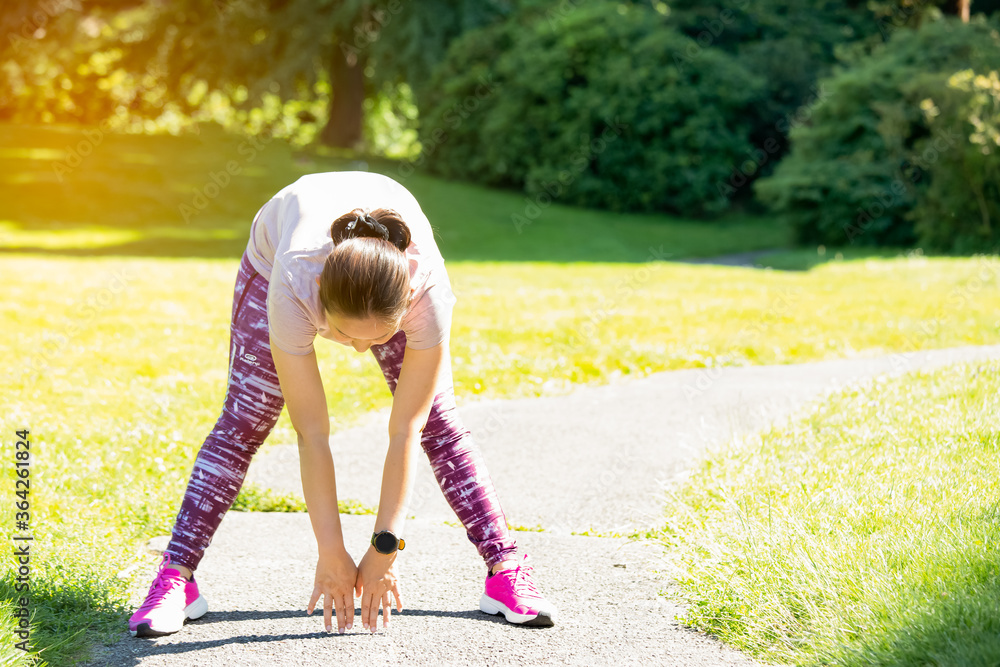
(373, 279)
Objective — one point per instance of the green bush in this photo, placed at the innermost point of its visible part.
(960, 209)
(863, 169)
(793, 41)
(588, 105)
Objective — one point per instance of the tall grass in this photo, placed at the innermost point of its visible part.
(864, 533)
(116, 328)
(121, 387)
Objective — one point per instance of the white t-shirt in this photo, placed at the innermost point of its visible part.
(290, 241)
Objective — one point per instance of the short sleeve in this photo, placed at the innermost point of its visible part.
(263, 222)
(264, 232)
(430, 321)
(287, 321)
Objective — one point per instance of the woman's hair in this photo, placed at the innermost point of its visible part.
(367, 273)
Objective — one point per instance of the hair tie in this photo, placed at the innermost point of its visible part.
(363, 225)
(374, 226)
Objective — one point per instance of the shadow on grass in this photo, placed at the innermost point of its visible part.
(150, 247)
(130, 185)
(63, 613)
(804, 259)
(950, 617)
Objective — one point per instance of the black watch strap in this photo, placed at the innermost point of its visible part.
(385, 542)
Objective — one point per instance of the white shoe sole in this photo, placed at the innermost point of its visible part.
(545, 618)
(196, 609)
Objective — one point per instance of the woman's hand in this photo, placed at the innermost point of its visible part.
(376, 578)
(335, 577)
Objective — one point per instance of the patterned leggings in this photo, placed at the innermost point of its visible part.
(252, 405)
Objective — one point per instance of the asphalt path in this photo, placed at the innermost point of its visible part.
(597, 460)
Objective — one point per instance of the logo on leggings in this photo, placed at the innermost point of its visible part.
(251, 359)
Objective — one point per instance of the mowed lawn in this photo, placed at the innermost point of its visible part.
(116, 321)
(864, 533)
(87, 193)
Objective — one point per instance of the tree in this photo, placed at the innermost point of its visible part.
(45, 46)
(287, 46)
(602, 105)
(896, 141)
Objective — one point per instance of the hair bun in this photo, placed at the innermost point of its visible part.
(382, 223)
(366, 225)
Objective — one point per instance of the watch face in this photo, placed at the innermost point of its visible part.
(385, 543)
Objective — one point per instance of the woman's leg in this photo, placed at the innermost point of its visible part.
(456, 462)
(252, 405)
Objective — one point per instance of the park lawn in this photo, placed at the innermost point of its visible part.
(70, 191)
(863, 533)
(117, 304)
(118, 365)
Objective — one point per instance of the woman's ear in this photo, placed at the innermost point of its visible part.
(317, 280)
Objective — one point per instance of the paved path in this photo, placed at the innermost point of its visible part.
(748, 259)
(599, 459)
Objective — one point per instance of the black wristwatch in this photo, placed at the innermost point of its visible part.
(386, 543)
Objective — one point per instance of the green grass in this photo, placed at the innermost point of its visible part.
(253, 498)
(126, 197)
(804, 259)
(10, 653)
(864, 533)
(121, 393)
(537, 528)
(116, 323)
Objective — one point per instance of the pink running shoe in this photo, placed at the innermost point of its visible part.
(171, 600)
(513, 594)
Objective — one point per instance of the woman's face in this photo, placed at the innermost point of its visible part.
(360, 334)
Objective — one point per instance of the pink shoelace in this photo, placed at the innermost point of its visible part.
(161, 586)
(523, 584)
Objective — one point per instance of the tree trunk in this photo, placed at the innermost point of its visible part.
(963, 9)
(347, 82)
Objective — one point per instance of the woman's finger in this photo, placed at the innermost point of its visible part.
(386, 610)
(341, 615)
(349, 607)
(312, 601)
(373, 611)
(365, 597)
(395, 594)
(328, 612)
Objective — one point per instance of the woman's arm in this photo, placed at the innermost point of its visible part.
(411, 406)
(302, 389)
(305, 398)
